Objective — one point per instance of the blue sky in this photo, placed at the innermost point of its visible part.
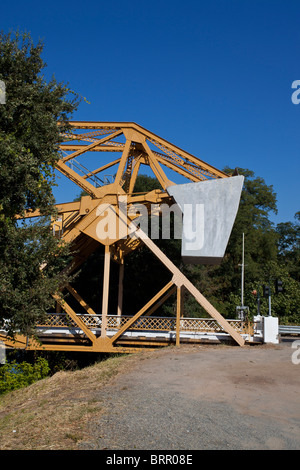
(213, 77)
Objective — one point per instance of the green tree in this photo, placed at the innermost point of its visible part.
(29, 149)
(289, 245)
(270, 253)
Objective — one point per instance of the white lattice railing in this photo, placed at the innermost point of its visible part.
(148, 323)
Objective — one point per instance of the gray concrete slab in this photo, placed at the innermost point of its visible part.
(209, 211)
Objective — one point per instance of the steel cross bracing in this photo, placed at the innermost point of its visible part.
(132, 146)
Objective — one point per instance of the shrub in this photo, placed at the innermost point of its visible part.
(15, 375)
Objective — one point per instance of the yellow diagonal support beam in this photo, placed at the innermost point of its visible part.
(66, 307)
(86, 148)
(141, 311)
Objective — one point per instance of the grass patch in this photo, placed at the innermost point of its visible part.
(54, 412)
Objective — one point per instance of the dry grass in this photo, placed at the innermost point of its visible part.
(53, 413)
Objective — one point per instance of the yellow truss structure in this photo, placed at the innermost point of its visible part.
(78, 222)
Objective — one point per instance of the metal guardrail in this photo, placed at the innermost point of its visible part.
(289, 329)
(148, 323)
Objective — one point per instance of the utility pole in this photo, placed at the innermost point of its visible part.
(242, 281)
(242, 309)
(270, 313)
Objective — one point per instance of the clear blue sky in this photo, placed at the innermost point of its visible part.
(213, 77)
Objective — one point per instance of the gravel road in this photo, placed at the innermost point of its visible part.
(202, 397)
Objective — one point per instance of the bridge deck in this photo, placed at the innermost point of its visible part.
(59, 331)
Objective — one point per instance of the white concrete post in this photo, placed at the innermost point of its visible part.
(2, 353)
(271, 330)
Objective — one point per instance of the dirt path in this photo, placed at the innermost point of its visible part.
(202, 397)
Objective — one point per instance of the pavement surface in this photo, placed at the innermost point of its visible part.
(203, 397)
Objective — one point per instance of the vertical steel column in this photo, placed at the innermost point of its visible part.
(105, 290)
(178, 315)
(120, 292)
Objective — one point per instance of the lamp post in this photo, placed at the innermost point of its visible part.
(242, 309)
(242, 274)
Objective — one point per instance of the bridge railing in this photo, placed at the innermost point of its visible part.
(115, 322)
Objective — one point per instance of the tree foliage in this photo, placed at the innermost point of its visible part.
(289, 245)
(29, 140)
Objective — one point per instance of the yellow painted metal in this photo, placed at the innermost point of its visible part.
(80, 299)
(140, 312)
(148, 323)
(178, 314)
(180, 280)
(154, 139)
(77, 224)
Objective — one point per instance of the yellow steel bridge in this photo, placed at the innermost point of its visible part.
(88, 151)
